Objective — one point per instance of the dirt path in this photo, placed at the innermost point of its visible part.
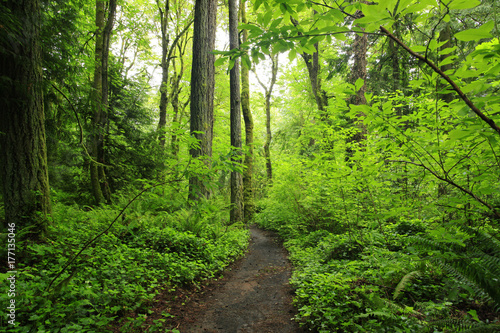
(254, 297)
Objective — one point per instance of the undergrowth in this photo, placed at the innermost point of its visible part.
(416, 276)
(153, 249)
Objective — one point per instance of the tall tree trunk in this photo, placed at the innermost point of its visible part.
(268, 94)
(100, 185)
(236, 214)
(165, 62)
(248, 191)
(202, 87)
(444, 36)
(175, 92)
(313, 69)
(174, 101)
(167, 54)
(358, 71)
(23, 153)
(105, 98)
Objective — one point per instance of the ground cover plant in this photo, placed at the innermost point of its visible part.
(141, 256)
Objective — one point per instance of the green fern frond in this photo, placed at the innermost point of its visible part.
(404, 282)
(453, 325)
(377, 313)
(477, 265)
(483, 328)
(484, 240)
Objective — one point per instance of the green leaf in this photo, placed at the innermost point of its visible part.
(476, 34)
(257, 4)
(447, 50)
(245, 61)
(420, 5)
(267, 18)
(359, 83)
(447, 61)
(463, 4)
(276, 23)
(419, 48)
(220, 61)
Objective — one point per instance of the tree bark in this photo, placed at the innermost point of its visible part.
(180, 43)
(248, 191)
(23, 153)
(358, 71)
(165, 62)
(98, 179)
(202, 88)
(236, 213)
(313, 69)
(268, 94)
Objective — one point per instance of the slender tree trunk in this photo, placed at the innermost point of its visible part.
(445, 36)
(234, 78)
(248, 191)
(96, 135)
(174, 101)
(168, 52)
(202, 88)
(100, 186)
(105, 99)
(23, 153)
(176, 90)
(313, 69)
(267, 144)
(268, 94)
(358, 71)
(165, 62)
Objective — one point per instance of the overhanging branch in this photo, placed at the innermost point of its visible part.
(455, 87)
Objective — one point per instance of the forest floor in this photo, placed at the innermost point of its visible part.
(253, 296)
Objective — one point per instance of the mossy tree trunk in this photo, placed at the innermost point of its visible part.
(358, 71)
(248, 191)
(236, 214)
(268, 91)
(165, 62)
(104, 26)
(202, 88)
(180, 43)
(23, 154)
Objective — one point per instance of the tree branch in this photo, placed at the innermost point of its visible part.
(452, 183)
(455, 87)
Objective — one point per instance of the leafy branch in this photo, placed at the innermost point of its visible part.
(455, 87)
(447, 179)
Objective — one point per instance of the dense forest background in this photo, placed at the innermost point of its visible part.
(140, 138)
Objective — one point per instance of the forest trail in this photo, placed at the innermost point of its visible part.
(253, 297)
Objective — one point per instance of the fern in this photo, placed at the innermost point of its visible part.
(404, 282)
(477, 265)
(463, 326)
